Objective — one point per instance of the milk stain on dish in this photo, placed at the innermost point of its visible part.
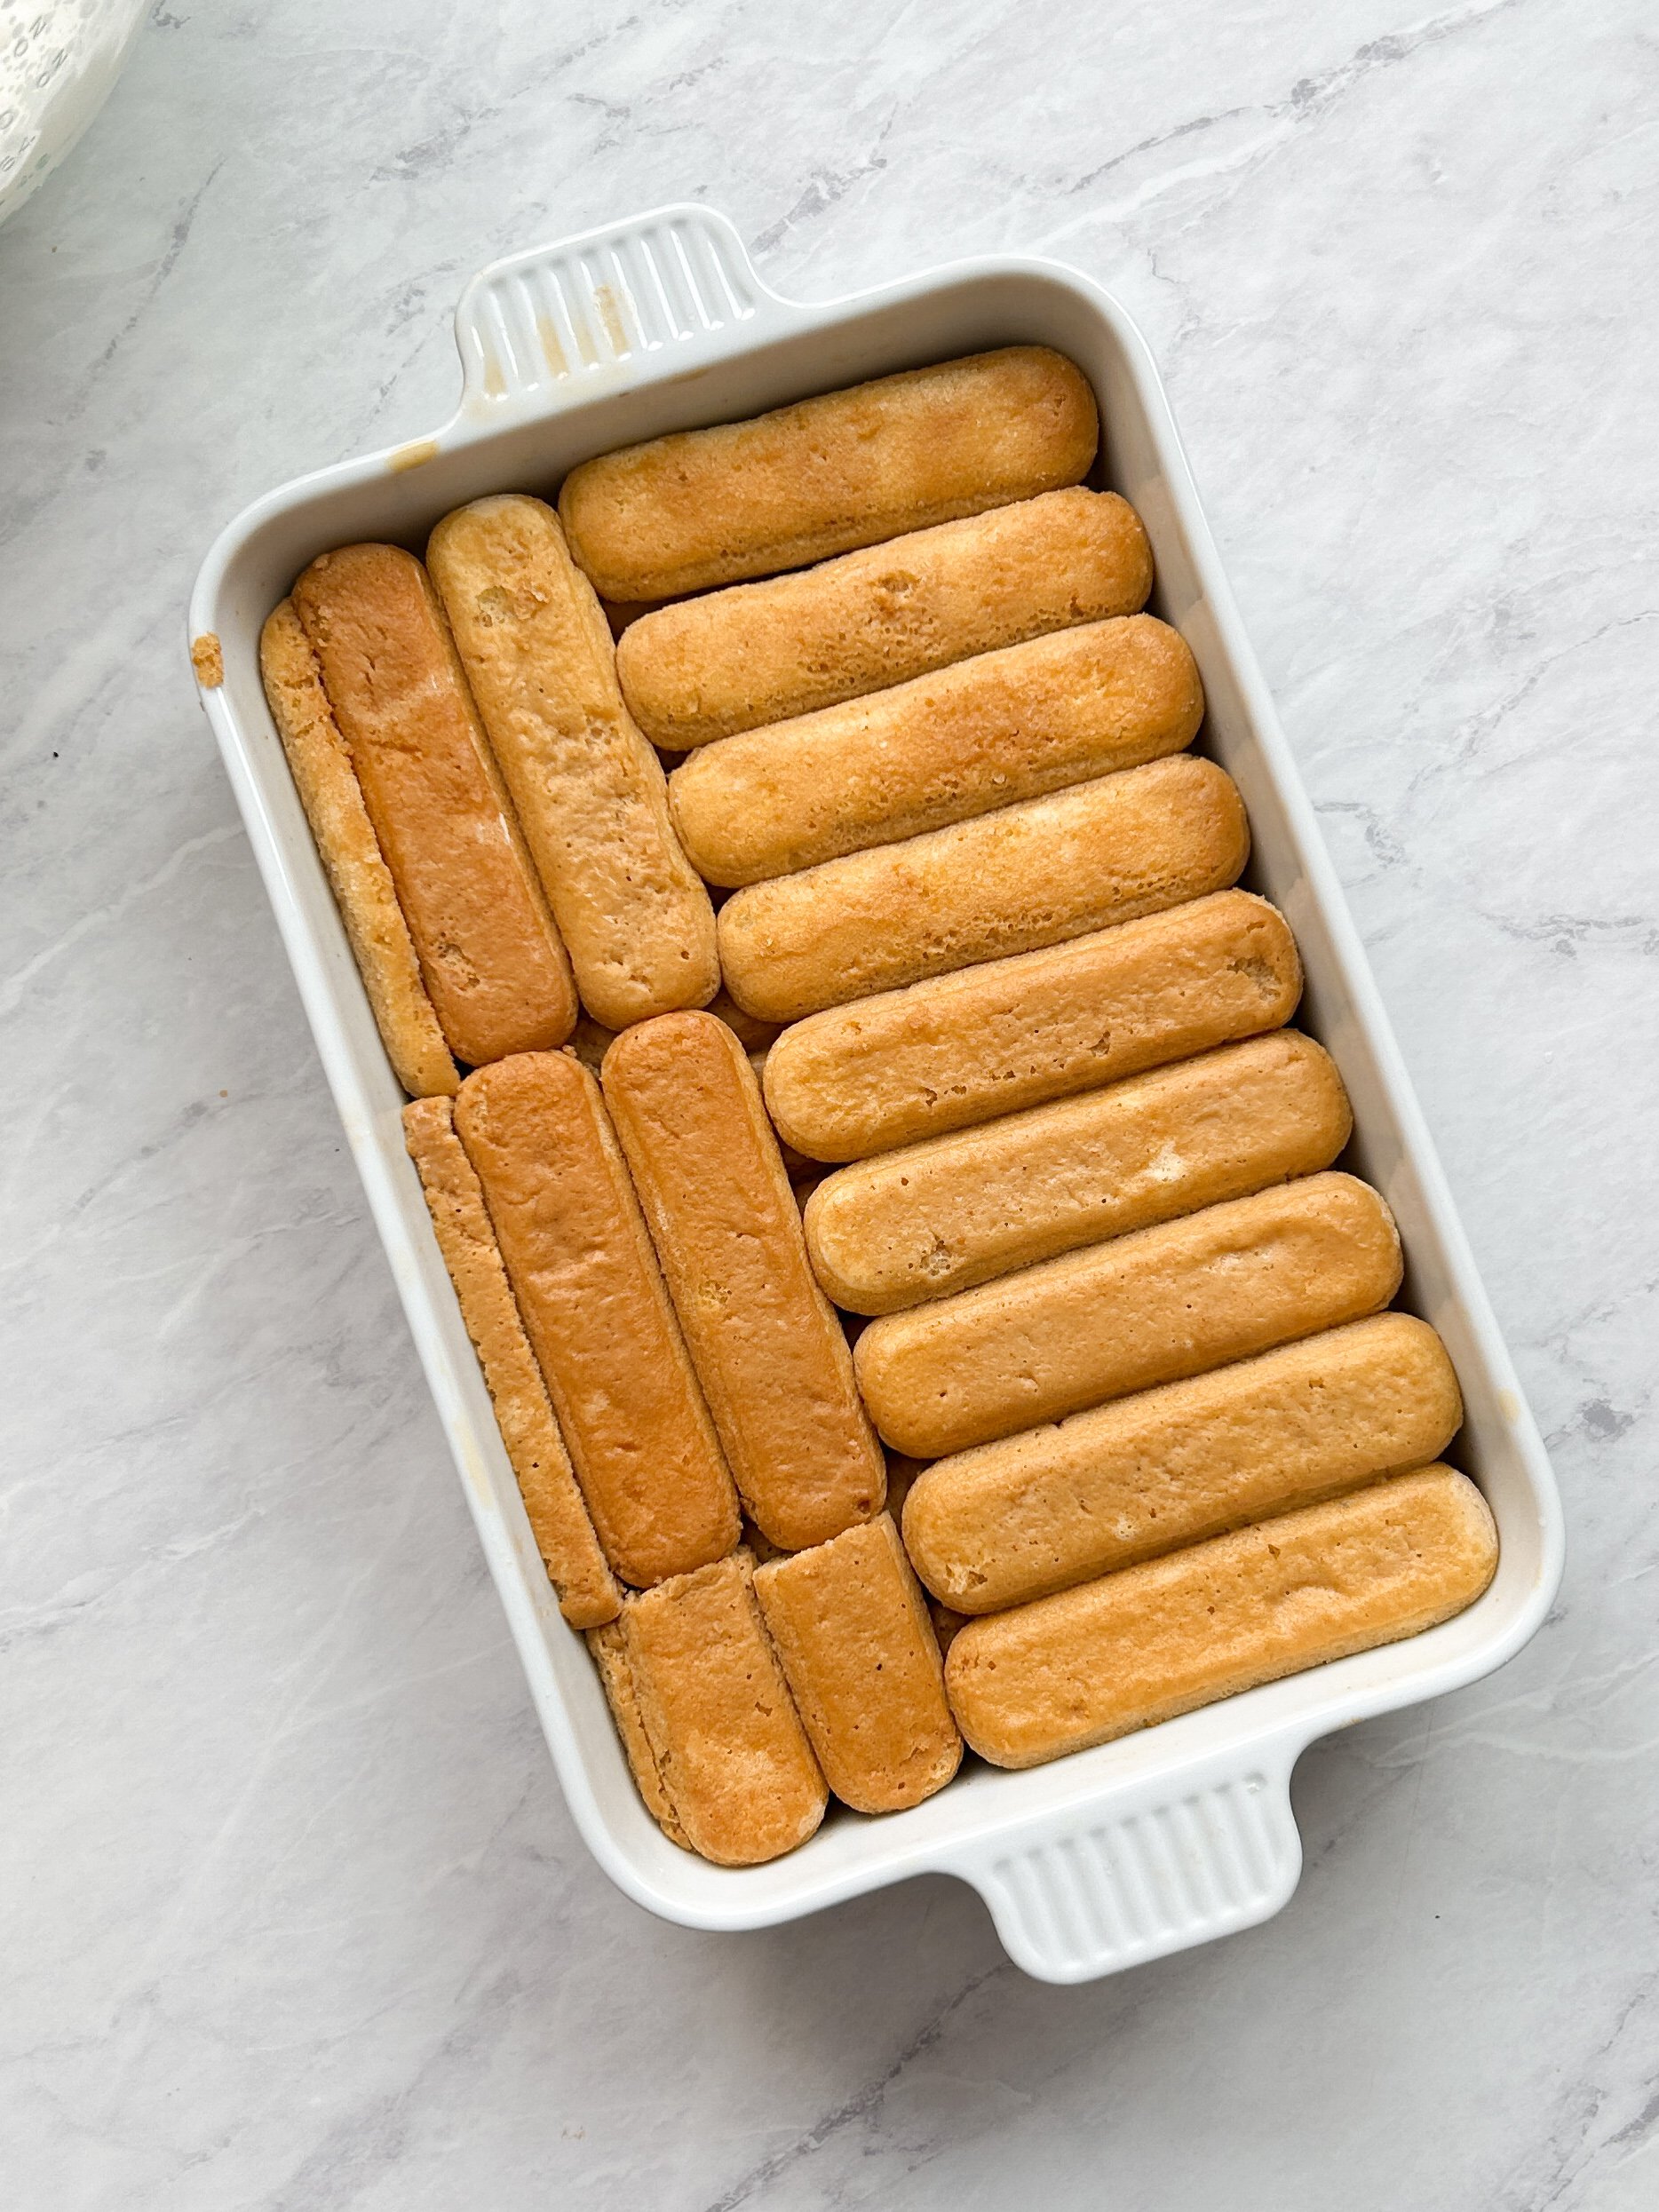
(414, 456)
(610, 316)
(553, 346)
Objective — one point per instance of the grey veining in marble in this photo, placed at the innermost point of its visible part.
(292, 1914)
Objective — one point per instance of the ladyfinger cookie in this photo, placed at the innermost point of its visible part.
(759, 653)
(728, 1755)
(1226, 1616)
(352, 858)
(1027, 876)
(850, 468)
(768, 1351)
(490, 954)
(589, 789)
(952, 1211)
(608, 1648)
(588, 1593)
(1148, 1308)
(965, 1048)
(851, 1626)
(1034, 1513)
(597, 1315)
(1012, 724)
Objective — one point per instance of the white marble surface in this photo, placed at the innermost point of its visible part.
(291, 1911)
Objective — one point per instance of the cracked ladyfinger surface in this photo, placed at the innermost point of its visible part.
(693, 1679)
(588, 1593)
(1028, 876)
(491, 957)
(851, 1626)
(1008, 726)
(1033, 1513)
(846, 469)
(965, 1048)
(938, 1216)
(589, 789)
(320, 764)
(597, 1312)
(759, 652)
(1223, 1617)
(767, 1348)
(1147, 1308)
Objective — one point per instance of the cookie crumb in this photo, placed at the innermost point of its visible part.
(207, 660)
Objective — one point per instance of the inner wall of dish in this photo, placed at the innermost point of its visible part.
(859, 340)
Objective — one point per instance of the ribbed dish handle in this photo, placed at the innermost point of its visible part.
(1177, 1860)
(550, 327)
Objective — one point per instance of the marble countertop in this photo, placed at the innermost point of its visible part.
(292, 1913)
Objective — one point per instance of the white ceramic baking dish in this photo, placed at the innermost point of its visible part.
(1143, 1846)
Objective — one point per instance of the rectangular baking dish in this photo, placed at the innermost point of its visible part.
(1146, 1845)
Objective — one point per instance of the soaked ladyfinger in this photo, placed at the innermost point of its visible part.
(1027, 876)
(1154, 1641)
(608, 1647)
(941, 1216)
(598, 1315)
(1148, 1308)
(491, 957)
(767, 1348)
(963, 1048)
(730, 1767)
(1033, 1513)
(850, 1625)
(589, 789)
(760, 653)
(850, 468)
(941, 749)
(320, 764)
(588, 1593)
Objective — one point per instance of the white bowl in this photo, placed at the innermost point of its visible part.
(1164, 1838)
(58, 60)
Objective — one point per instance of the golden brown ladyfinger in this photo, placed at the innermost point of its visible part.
(1148, 1308)
(955, 1210)
(728, 1754)
(1009, 725)
(964, 1048)
(596, 1311)
(490, 954)
(768, 1350)
(358, 876)
(1028, 1514)
(588, 787)
(849, 468)
(758, 653)
(609, 1648)
(1027, 876)
(1142, 1645)
(587, 1590)
(850, 1625)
